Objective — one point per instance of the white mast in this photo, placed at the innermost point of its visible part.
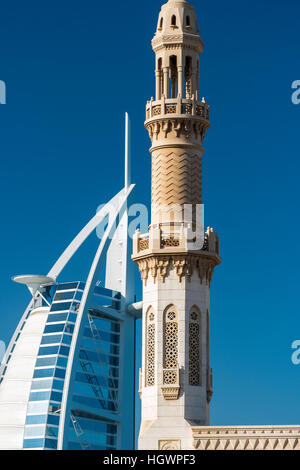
(127, 151)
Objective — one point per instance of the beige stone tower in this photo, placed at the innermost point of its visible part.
(175, 262)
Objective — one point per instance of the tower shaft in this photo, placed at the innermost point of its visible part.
(176, 380)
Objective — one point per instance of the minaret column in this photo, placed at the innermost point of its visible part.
(175, 379)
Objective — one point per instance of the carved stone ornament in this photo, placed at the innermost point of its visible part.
(247, 438)
(170, 392)
(169, 445)
(185, 266)
(180, 127)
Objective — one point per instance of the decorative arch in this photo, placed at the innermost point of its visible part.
(150, 348)
(195, 346)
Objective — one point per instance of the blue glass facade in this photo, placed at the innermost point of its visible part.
(94, 421)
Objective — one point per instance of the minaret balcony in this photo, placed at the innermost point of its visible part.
(158, 240)
(177, 108)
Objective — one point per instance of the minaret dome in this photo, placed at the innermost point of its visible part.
(177, 16)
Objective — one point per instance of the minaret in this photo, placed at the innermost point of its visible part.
(175, 262)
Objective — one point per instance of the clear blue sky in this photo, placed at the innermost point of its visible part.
(72, 69)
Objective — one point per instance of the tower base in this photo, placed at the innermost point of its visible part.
(166, 433)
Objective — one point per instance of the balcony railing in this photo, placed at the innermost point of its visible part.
(167, 241)
(177, 106)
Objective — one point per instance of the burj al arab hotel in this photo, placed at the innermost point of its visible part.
(67, 380)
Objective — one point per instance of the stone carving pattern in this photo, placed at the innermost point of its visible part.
(176, 179)
(169, 242)
(247, 438)
(143, 244)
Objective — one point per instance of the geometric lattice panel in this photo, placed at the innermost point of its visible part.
(170, 340)
(194, 349)
(150, 351)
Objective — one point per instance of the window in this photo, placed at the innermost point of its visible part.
(62, 361)
(57, 317)
(41, 384)
(53, 419)
(170, 345)
(39, 373)
(173, 76)
(33, 443)
(51, 443)
(173, 20)
(52, 431)
(39, 396)
(194, 347)
(45, 361)
(188, 21)
(150, 348)
(67, 339)
(34, 431)
(64, 350)
(37, 408)
(51, 339)
(48, 350)
(161, 23)
(61, 306)
(58, 385)
(69, 286)
(36, 419)
(64, 295)
(56, 396)
(188, 77)
(60, 373)
(54, 328)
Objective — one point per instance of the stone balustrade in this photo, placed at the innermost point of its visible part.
(177, 107)
(158, 240)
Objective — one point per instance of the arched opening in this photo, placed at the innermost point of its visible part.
(173, 76)
(173, 20)
(188, 21)
(198, 78)
(160, 79)
(188, 77)
(161, 23)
